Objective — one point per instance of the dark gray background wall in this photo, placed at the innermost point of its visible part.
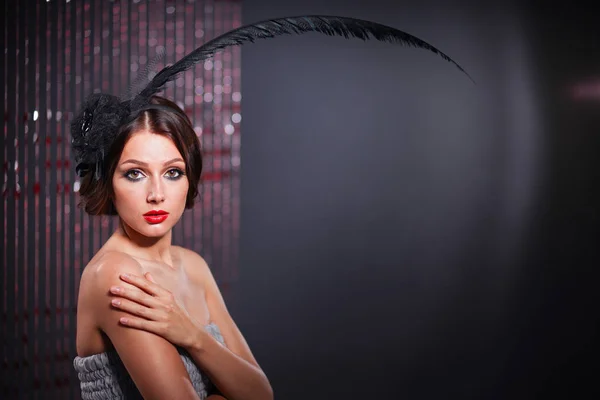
(406, 233)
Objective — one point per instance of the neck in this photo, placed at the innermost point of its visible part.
(148, 248)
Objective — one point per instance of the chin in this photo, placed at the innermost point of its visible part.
(155, 231)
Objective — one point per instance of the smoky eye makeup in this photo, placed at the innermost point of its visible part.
(173, 174)
(133, 175)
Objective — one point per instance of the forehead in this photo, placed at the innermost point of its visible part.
(149, 147)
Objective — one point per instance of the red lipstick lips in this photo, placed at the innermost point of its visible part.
(156, 216)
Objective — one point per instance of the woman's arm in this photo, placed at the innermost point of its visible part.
(153, 309)
(233, 369)
(235, 377)
(152, 362)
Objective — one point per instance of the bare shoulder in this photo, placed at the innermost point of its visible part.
(190, 256)
(104, 270)
(194, 264)
(99, 275)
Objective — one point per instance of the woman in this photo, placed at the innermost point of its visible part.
(130, 322)
(151, 321)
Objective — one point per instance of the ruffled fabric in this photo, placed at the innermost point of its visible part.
(104, 376)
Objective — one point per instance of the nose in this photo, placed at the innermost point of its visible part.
(156, 193)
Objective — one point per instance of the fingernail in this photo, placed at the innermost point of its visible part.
(123, 320)
(125, 276)
(115, 289)
(115, 302)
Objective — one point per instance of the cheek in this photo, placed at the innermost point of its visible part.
(183, 191)
(127, 196)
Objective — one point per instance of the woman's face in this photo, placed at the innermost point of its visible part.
(149, 184)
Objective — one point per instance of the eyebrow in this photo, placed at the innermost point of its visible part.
(132, 161)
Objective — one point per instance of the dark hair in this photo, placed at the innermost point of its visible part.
(162, 117)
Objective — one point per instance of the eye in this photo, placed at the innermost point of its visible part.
(133, 175)
(174, 173)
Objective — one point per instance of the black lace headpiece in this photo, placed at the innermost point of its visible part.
(96, 125)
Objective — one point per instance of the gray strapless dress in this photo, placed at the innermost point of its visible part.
(104, 376)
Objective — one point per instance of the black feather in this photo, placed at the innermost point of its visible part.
(328, 25)
(96, 125)
(141, 80)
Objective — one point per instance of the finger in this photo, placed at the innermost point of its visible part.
(144, 284)
(136, 309)
(137, 295)
(159, 328)
(149, 277)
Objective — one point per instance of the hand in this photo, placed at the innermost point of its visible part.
(159, 311)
